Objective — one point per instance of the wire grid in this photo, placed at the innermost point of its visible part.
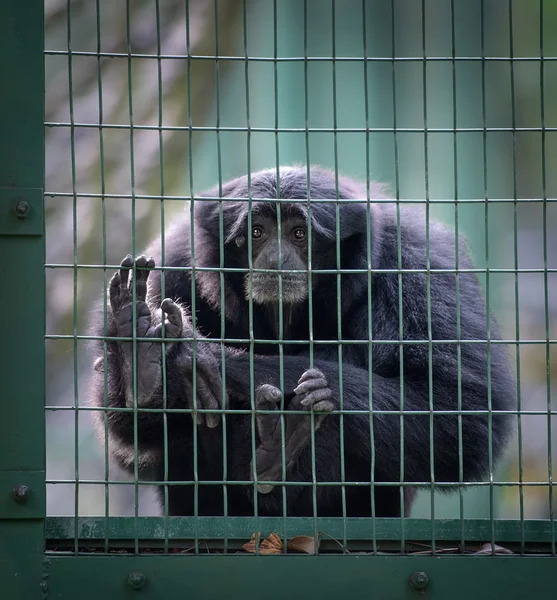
(344, 530)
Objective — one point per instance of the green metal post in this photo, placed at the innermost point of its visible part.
(22, 300)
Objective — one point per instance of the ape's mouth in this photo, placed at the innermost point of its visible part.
(264, 288)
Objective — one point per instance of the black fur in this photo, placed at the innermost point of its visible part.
(385, 367)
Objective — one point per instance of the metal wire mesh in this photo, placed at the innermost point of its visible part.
(230, 100)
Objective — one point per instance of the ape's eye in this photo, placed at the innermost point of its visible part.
(256, 233)
(299, 233)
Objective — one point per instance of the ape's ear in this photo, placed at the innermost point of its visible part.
(207, 218)
(235, 221)
(234, 210)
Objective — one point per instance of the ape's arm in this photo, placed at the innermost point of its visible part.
(386, 394)
(435, 376)
(133, 373)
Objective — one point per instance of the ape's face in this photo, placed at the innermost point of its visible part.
(288, 257)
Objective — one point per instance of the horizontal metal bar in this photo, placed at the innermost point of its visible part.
(238, 482)
(300, 342)
(303, 59)
(187, 269)
(274, 130)
(464, 200)
(298, 577)
(227, 411)
(159, 528)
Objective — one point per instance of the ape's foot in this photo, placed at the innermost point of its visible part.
(268, 454)
(313, 395)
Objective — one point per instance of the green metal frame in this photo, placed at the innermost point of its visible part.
(22, 297)
(38, 558)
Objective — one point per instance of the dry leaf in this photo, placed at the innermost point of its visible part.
(303, 543)
(270, 545)
(250, 546)
(488, 549)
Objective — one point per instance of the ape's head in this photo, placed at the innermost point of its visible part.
(279, 232)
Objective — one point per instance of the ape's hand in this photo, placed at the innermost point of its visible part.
(198, 359)
(149, 365)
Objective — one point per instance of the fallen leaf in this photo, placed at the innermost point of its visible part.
(303, 543)
(487, 549)
(270, 545)
(250, 546)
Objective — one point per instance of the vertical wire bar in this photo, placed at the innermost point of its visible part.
(279, 233)
(545, 284)
(163, 261)
(369, 283)
(457, 287)
(486, 228)
(74, 242)
(105, 278)
(134, 272)
(399, 267)
(428, 283)
(516, 291)
(250, 266)
(488, 359)
(193, 290)
(310, 263)
(222, 283)
(339, 286)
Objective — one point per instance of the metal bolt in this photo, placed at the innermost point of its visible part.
(21, 209)
(419, 580)
(136, 580)
(21, 494)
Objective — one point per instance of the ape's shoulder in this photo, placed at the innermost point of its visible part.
(420, 238)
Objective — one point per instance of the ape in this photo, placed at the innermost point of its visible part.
(379, 348)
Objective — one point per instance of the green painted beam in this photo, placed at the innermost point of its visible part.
(298, 577)
(174, 528)
(22, 299)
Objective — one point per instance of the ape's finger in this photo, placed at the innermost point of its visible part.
(114, 292)
(200, 417)
(125, 265)
(323, 394)
(174, 324)
(267, 393)
(209, 402)
(268, 468)
(311, 374)
(262, 488)
(323, 406)
(141, 276)
(310, 385)
(214, 383)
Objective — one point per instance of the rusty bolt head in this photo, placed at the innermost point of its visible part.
(419, 580)
(136, 580)
(21, 493)
(21, 209)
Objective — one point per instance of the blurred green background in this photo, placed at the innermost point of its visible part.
(492, 133)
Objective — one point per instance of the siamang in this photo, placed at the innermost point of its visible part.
(415, 338)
